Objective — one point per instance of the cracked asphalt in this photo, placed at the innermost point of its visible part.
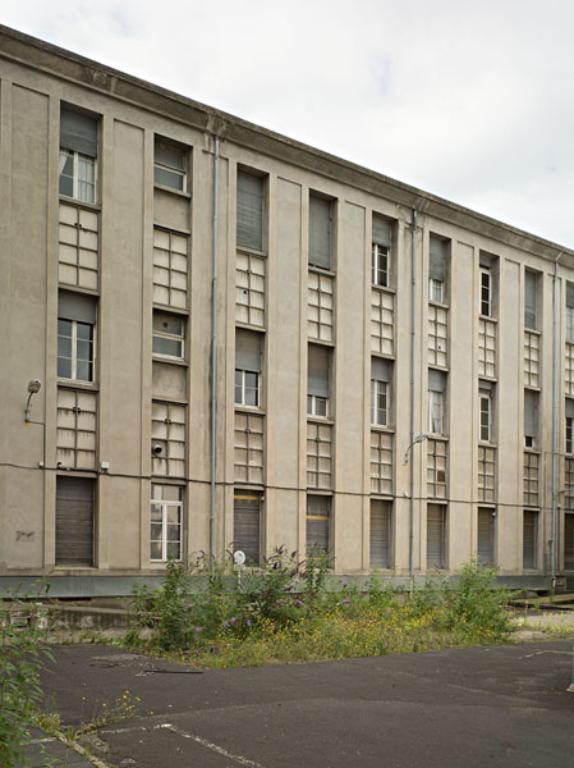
(492, 706)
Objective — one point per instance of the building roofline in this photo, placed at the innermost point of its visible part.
(38, 54)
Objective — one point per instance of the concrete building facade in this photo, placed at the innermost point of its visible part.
(216, 338)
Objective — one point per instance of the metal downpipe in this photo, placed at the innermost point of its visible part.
(213, 358)
(412, 401)
(555, 430)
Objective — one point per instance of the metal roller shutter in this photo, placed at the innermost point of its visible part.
(318, 523)
(249, 211)
(246, 526)
(486, 536)
(380, 544)
(436, 530)
(74, 521)
(530, 540)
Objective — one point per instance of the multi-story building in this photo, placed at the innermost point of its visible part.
(214, 338)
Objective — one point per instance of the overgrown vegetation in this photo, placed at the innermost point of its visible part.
(21, 654)
(285, 612)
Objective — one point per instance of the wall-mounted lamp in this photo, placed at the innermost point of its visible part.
(418, 439)
(34, 386)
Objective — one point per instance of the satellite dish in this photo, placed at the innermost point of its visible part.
(239, 557)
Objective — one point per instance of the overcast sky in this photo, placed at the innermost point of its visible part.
(472, 100)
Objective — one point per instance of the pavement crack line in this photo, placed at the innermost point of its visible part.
(239, 759)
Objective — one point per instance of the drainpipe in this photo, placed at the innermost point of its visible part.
(213, 357)
(412, 401)
(555, 430)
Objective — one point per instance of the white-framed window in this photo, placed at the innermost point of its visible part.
(531, 399)
(318, 406)
(78, 155)
(166, 523)
(318, 380)
(485, 412)
(570, 312)
(76, 338)
(569, 431)
(438, 267)
(380, 392)
(170, 165)
(246, 387)
(436, 402)
(485, 292)
(381, 251)
(247, 367)
(168, 336)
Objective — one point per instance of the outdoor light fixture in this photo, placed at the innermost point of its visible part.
(418, 439)
(34, 386)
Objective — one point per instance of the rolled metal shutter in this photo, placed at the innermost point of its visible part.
(320, 232)
(530, 539)
(435, 536)
(74, 521)
(380, 543)
(569, 542)
(318, 523)
(78, 133)
(249, 211)
(246, 526)
(485, 536)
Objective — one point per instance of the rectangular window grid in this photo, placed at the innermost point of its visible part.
(382, 322)
(437, 336)
(381, 463)
(319, 455)
(569, 484)
(436, 468)
(487, 348)
(76, 429)
(530, 479)
(486, 473)
(78, 247)
(569, 370)
(166, 523)
(248, 459)
(531, 359)
(250, 290)
(320, 307)
(168, 439)
(170, 268)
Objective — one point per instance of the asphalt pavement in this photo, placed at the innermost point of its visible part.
(492, 706)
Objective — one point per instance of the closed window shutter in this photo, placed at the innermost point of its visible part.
(485, 537)
(318, 376)
(78, 133)
(246, 526)
(436, 536)
(380, 544)
(74, 521)
(320, 232)
(529, 539)
(530, 300)
(249, 211)
(382, 231)
(438, 258)
(247, 350)
(76, 306)
(318, 523)
(569, 542)
(380, 369)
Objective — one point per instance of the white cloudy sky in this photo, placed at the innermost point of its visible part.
(470, 99)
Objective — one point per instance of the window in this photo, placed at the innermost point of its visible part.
(530, 539)
(436, 536)
(170, 165)
(320, 232)
(170, 268)
(569, 542)
(247, 367)
(319, 365)
(485, 292)
(246, 525)
(168, 439)
(168, 335)
(436, 403)
(75, 504)
(485, 539)
(570, 312)
(530, 418)
(569, 425)
(438, 265)
(250, 207)
(166, 521)
(318, 524)
(78, 155)
(530, 300)
(76, 321)
(381, 253)
(381, 534)
(380, 392)
(485, 411)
